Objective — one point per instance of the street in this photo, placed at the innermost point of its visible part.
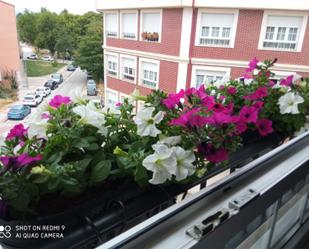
(73, 82)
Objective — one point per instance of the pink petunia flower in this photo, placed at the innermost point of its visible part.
(232, 90)
(258, 94)
(264, 126)
(59, 100)
(46, 115)
(173, 99)
(248, 114)
(209, 102)
(186, 119)
(271, 83)
(252, 65)
(18, 131)
(212, 154)
(287, 81)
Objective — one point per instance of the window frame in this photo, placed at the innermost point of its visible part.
(106, 54)
(106, 99)
(105, 31)
(121, 68)
(301, 34)
(141, 78)
(195, 68)
(120, 24)
(160, 11)
(233, 30)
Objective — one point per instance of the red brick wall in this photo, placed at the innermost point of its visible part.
(170, 37)
(246, 43)
(167, 80)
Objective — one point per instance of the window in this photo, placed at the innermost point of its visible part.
(216, 29)
(128, 70)
(111, 25)
(208, 75)
(111, 98)
(281, 32)
(129, 25)
(149, 73)
(112, 65)
(151, 25)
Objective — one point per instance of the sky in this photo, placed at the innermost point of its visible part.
(73, 6)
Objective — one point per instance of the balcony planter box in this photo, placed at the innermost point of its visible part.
(148, 36)
(99, 215)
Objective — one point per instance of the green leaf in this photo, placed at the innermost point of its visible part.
(140, 175)
(53, 184)
(92, 147)
(100, 172)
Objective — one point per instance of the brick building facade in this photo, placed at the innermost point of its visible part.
(175, 44)
(9, 48)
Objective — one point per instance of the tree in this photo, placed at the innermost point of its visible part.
(90, 55)
(26, 25)
(64, 45)
(90, 52)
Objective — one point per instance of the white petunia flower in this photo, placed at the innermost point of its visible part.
(248, 81)
(2, 139)
(146, 123)
(38, 129)
(78, 96)
(289, 103)
(174, 140)
(184, 158)
(162, 163)
(91, 115)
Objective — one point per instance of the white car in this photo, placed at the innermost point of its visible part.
(47, 58)
(43, 91)
(32, 99)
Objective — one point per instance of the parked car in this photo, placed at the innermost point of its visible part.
(18, 112)
(91, 88)
(32, 57)
(57, 77)
(51, 84)
(32, 99)
(44, 91)
(71, 67)
(47, 58)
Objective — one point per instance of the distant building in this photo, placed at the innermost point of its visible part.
(9, 47)
(175, 44)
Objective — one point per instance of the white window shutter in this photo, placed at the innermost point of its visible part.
(151, 22)
(128, 63)
(285, 21)
(111, 23)
(129, 24)
(217, 20)
(150, 66)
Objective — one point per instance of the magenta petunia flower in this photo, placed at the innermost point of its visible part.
(25, 159)
(18, 131)
(185, 119)
(212, 154)
(232, 90)
(264, 126)
(173, 99)
(258, 105)
(241, 127)
(271, 83)
(59, 100)
(17, 162)
(209, 102)
(252, 65)
(201, 92)
(248, 114)
(287, 81)
(258, 94)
